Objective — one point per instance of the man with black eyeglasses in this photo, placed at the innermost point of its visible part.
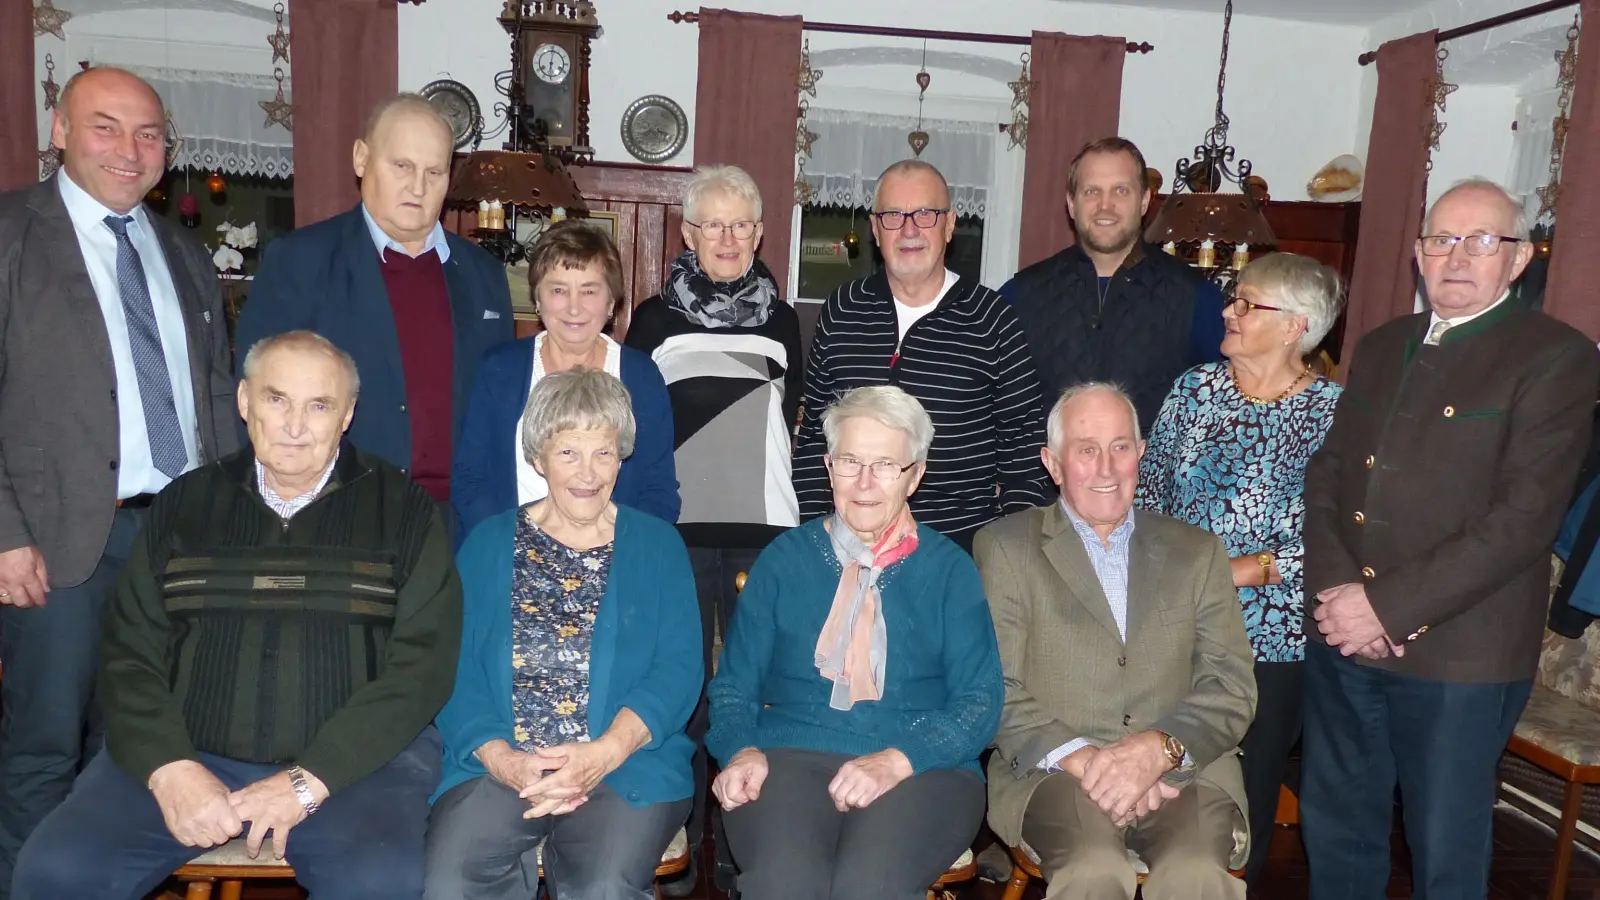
(946, 340)
(1430, 512)
(1111, 307)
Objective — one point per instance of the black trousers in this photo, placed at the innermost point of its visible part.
(1280, 688)
(792, 844)
(1368, 729)
(715, 572)
(48, 728)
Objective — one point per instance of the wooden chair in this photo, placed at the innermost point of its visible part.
(1025, 868)
(228, 867)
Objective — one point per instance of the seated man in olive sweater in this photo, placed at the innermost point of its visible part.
(285, 629)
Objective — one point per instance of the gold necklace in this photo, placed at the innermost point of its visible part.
(1257, 400)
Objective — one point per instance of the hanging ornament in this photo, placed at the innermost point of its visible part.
(215, 184)
(1021, 89)
(156, 195)
(48, 20)
(852, 240)
(279, 110)
(279, 40)
(189, 211)
(52, 91)
(49, 162)
(1566, 80)
(805, 81)
(1438, 90)
(919, 138)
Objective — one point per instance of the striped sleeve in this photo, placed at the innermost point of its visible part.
(1019, 420)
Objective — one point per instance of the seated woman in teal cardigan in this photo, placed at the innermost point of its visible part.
(579, 668)
(576, 278)
(858, 683)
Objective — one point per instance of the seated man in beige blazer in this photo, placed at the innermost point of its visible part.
(1128, 676)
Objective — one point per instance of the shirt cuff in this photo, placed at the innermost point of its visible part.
(1052, 760)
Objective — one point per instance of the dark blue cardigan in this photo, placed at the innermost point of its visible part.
(483, 480)
(325, 277)
(645, 655)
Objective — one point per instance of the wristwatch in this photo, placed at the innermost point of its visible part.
(302, 789)
(1265, 559)
(1173, 748)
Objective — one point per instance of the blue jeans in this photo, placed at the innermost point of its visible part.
(48, 728)
(109, 841)
(1367, 730)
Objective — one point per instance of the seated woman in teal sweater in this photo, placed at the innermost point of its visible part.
(858, 683)
(580, 664)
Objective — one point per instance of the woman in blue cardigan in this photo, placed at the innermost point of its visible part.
(858, 684)
(576, 276)
(580, 665)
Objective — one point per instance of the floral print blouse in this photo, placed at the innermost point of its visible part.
(1237, 469)
(555, 593)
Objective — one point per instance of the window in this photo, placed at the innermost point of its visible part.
(825, 265)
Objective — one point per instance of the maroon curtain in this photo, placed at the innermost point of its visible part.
(1076, 98)
(1574, 266)
(745, 111)
(346, 56)
(1383, 282)
(19, 139)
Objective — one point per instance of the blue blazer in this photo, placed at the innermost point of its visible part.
(483, 477)
(645, 655)
(325, 277)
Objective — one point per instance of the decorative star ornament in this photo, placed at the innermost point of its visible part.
(52, 91)
(1435, 131)
(802, 191)
(280, 44)
(1549, 196)
(806, 78)
(1022, 87)
(804, 138)
(1441, 91)
(49, 162)
(279, 111)
(48, 20)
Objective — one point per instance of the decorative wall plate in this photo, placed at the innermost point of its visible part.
(455, 101)
(654, 129)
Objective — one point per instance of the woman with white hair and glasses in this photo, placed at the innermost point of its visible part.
(859, 683)
(729, 349)
(1228, 453)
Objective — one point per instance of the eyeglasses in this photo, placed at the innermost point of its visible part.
(884, 470)
(1475, 244)
(894, 219)
(1242, 307)
(742, 231)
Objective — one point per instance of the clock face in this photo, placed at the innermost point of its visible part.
(551, 63)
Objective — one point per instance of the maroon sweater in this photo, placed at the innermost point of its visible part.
(420, 299)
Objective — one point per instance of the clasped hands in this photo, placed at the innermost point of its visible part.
(1348, 623)
(200, 811)
(856, 785)
(1124, 778)
(554, 780)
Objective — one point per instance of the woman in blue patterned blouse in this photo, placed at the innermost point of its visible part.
(1229, 453)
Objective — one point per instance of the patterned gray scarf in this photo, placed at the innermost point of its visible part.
(744, 302)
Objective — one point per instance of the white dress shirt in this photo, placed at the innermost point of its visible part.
(136, 471)
(1435, 319)
(531, 485)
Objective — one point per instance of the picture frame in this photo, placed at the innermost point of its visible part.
(604, 220)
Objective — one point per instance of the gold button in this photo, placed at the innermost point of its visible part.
(1367, 573)
(1422, 630)
(1371, 460)
(1449, 411)
(1359, 517)
(1412, 636)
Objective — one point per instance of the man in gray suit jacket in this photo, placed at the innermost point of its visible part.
(114, 379)
(1129, 679)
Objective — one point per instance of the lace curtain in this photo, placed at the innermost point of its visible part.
(853, 148)
(223, 126)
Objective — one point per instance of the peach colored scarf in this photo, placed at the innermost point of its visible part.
(854, 645)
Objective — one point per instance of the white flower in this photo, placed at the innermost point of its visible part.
(227, 259)
(224, 228)
(243, 238)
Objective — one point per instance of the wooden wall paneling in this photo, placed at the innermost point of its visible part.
(674, 245)
(649, 249)
(627, 240)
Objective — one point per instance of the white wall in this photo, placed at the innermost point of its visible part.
(1292, 87)
(1477, 141)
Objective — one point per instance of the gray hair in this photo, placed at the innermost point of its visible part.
(888, 406)
(729, 181)
(1300, 286)
(574, 400)
(1519, 216)
(306, 340)
(906, 168)
(1054, 431)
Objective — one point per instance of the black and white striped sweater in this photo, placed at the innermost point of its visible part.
(968, 363)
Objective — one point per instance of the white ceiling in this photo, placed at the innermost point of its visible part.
(1341, 12)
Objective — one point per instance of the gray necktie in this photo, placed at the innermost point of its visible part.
(149, 360)
(1436, 332)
